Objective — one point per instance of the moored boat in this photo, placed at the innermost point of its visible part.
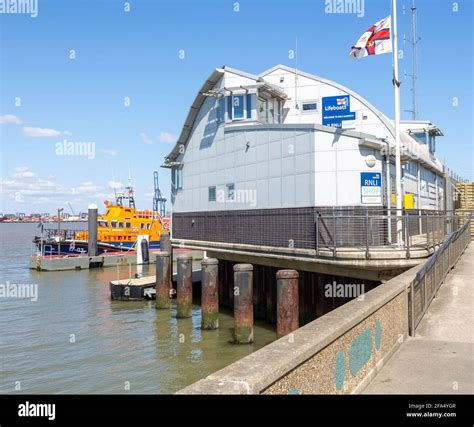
(117, 230)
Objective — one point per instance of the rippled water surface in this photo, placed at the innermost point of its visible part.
(74, 339)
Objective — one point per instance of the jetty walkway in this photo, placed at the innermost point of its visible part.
(440, 357)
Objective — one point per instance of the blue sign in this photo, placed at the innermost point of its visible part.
(371, 187)
(336, 109)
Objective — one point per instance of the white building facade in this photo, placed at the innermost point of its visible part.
(288, 144)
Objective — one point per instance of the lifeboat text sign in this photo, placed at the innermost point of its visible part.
(337, 109)
(371, 187)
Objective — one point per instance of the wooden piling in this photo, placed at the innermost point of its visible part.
(184, 286)
(163, 282)
(243, 303)
(287, 302)
(209, 294)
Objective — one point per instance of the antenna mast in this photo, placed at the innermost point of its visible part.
(414, 77)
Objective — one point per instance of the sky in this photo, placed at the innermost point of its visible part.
(121, 76)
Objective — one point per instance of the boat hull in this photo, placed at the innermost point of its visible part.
(79, 247)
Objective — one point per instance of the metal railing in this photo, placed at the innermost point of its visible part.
(371, 231)
(63, 234)
(433, 273)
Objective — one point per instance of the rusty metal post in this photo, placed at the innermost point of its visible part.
(243, 303)
(163, 282)
(184, 287)
(209, 294)
(165, 246)
(287, 302)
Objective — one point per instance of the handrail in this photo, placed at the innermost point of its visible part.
(369, 231)
(424, 288)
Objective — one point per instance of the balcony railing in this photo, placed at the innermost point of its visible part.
(373, 231)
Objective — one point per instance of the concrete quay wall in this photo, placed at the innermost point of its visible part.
(338, 353)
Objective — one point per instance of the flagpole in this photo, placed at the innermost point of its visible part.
(396, 86)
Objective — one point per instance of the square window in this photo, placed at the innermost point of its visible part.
(310, 107)
(212, 194)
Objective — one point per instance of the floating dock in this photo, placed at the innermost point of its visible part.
(144, 287)
(84, 262)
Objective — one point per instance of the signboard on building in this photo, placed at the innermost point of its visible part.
(371, 188)
(336, 110)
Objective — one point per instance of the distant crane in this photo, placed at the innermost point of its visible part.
(72, 210)
(159, 202)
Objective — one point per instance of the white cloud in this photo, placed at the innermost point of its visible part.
(109, 152)
(168, 138)
(23, 172)
(27, 187)
(115, 184)
(10, 118)
(145, 138)
(44, 132)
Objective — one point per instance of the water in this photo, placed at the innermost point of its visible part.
(74, 339)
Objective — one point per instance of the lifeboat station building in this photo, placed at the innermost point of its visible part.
(294, 169)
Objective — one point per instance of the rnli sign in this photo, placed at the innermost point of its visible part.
(336, 110)
(371, 188)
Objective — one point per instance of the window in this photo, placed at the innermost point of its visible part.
(221, 110)
(148, 226)
(410, 168)
(263, 110)
(120, 225)
(432, 144)
(230, 191)
(177, 178)
(212, 194)
(249, 106)
(310, 107)
(113, 224)
(127, 225)
(269, 110)
(239, 107)
(142, 226)
(421, 136)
